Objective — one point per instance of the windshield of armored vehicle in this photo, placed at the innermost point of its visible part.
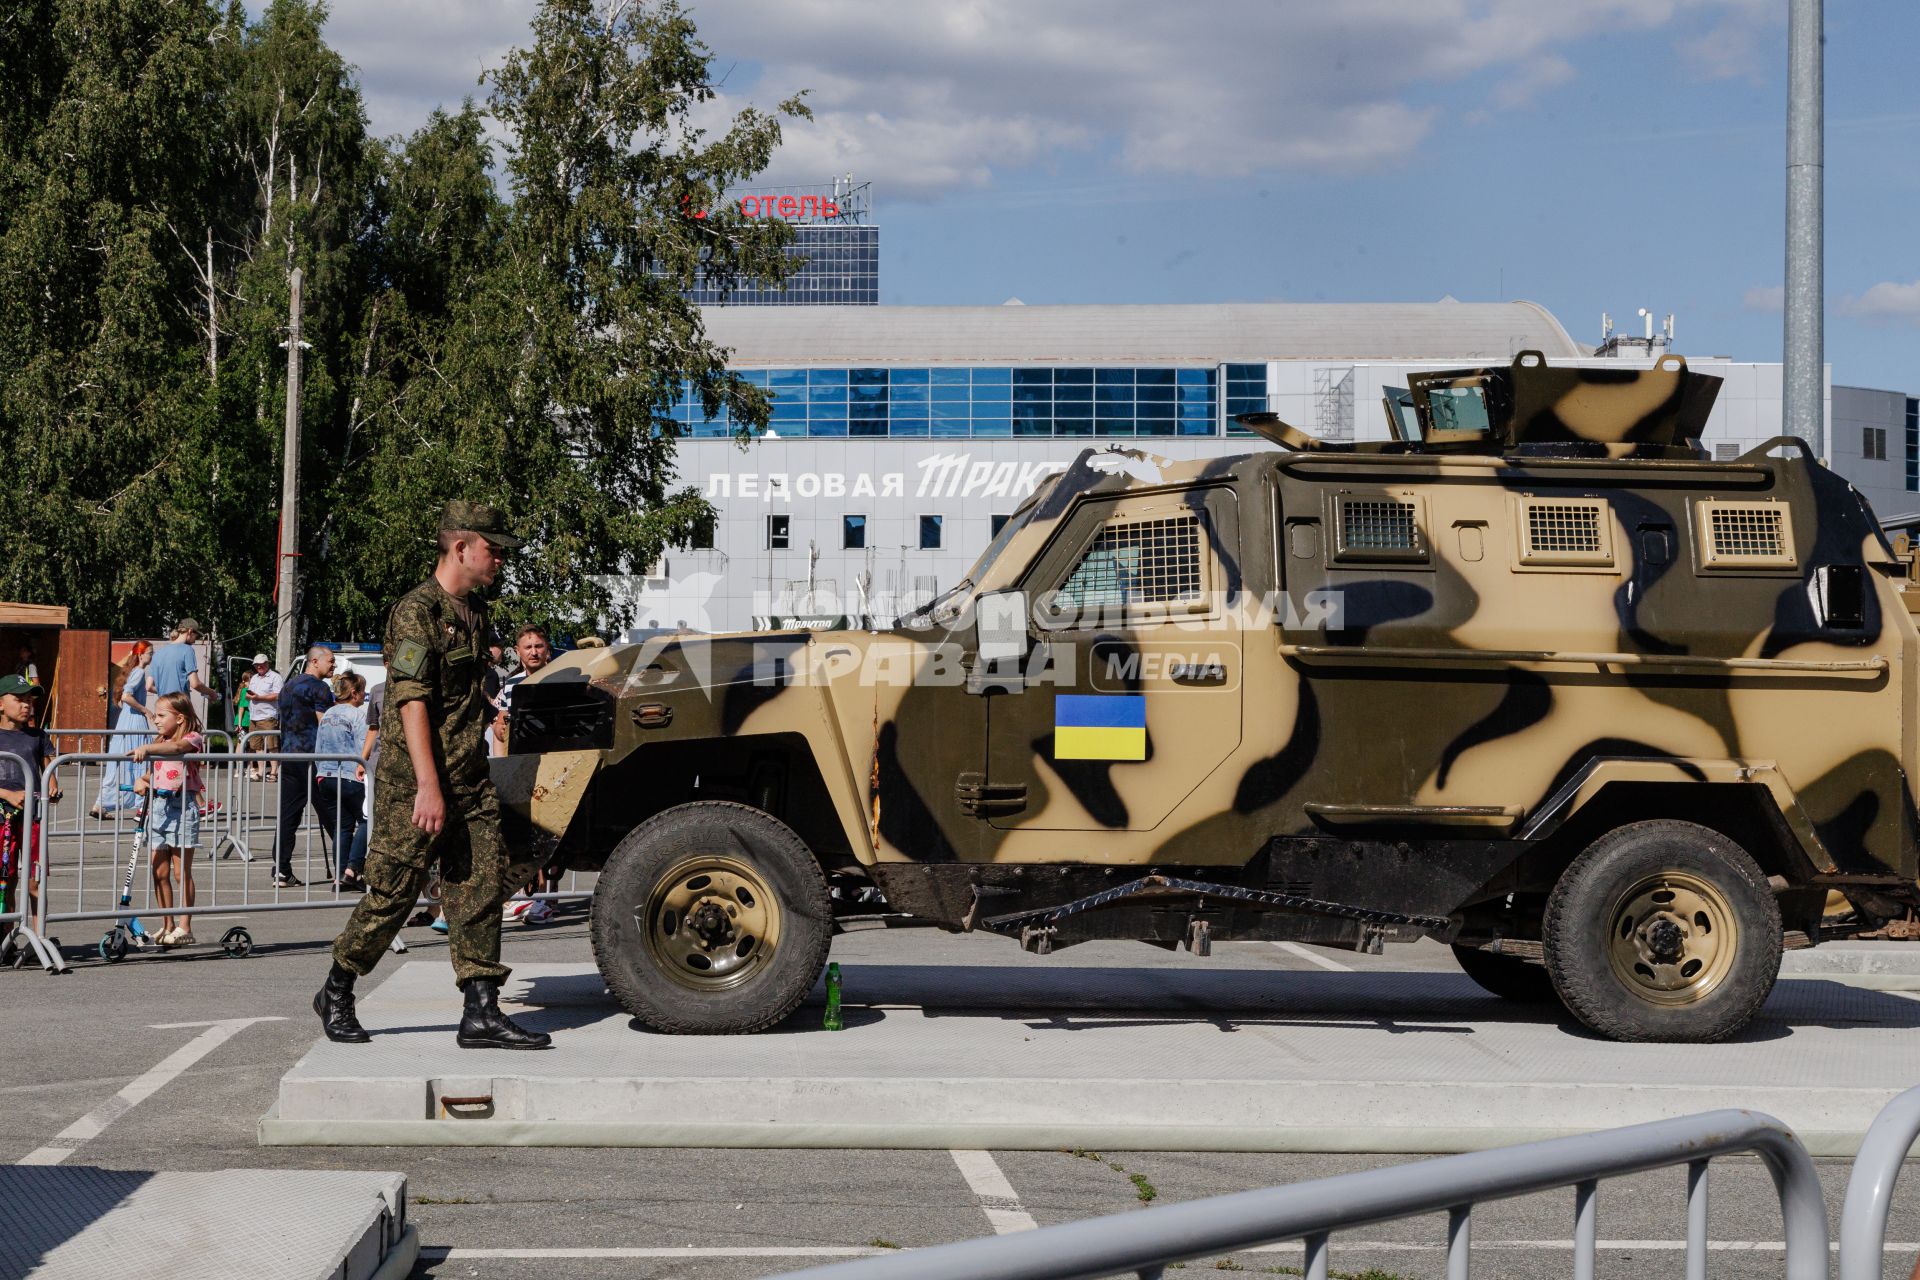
(1458, 408)
(945, 606)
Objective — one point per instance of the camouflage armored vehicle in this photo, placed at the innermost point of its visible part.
(1538, 678)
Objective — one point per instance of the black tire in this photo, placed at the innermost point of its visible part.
(1508, 977)
(237, 942)
(1663, 931)
(113, 946)
(649, 946)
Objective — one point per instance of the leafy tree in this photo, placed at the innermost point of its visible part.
(512, 331)
(565, 336)
(102, 150)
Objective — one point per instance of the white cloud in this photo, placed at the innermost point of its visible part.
(1768, 299)
(936, 97)
(1890, 301)
(1731, 48)
(415, 55)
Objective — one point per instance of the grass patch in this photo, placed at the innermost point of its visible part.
(448, 1200)
(881, 1242)
(1143, 1191)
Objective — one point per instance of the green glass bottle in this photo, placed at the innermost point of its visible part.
(832, 1021)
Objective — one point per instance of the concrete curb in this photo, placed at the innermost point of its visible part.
(398, 1264)
(1354, 1140)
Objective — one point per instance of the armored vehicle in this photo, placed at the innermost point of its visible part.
(1537, 678)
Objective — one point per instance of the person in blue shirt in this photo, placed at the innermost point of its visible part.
(176, 667)
(302, 701)
(339, 786)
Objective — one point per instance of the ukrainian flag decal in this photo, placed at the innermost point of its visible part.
(1096, 726)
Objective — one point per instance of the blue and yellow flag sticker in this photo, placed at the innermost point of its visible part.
(1096, 726)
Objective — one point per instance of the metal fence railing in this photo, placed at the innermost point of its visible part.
(1146, 1243)
(22, 910)
(1863, 1216)
(247, 861)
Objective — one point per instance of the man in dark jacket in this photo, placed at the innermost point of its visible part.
(302, 701)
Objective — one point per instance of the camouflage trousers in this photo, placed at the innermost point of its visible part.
(476, 876)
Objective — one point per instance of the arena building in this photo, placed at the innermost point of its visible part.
(903, 436)
(836, 243)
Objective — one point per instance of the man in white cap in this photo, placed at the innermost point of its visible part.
(263, 702)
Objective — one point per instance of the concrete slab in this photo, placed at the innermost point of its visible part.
(1867, 958)
(1019, 1055)
(74, 1222)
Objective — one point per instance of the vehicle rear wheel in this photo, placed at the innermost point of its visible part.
(711, 918)
(1508, 977)
(1663, 931)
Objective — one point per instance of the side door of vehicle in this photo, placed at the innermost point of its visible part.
(1131, 693)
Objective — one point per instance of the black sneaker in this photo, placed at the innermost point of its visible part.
(287, 880)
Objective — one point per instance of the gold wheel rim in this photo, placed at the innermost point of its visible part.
(1672, 939)
(711, 922)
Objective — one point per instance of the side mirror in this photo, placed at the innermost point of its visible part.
(1001, 641)
(1001, 622)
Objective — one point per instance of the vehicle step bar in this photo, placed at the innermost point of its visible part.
(1159, 886)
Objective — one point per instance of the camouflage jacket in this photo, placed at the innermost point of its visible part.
(435, 653)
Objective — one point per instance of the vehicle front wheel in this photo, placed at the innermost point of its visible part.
(1663, 931)
(711, 918)
(1508, 977)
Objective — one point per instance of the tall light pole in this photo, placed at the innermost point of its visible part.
(1803, 390)
(285, 593)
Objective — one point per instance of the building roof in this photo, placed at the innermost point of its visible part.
(1192, 333)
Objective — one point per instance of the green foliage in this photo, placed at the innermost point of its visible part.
(163, 167)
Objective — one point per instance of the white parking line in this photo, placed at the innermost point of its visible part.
(995, 1194)
(90, 1125)
(1315, 957)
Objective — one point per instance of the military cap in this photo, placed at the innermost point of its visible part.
(476, 517)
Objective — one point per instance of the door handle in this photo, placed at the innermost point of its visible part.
(979, 798)
(1197, 673)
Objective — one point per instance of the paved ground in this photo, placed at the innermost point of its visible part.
(76, 1043)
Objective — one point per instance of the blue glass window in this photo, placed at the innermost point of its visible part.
(1913, 445)
(930, 533)
(853, 532)
(991, 402)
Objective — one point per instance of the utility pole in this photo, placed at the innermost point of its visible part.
(1804, 343)
(286, 593)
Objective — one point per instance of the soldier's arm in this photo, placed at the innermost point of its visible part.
(412, 666)
(429, 808)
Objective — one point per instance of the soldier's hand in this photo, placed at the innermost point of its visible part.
(429, 812)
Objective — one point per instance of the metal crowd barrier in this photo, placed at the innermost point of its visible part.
(107, 746)
(92, 870)
(94, 873)
(1146, 1243)
(21, 928)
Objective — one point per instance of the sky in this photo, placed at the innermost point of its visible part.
(1589, 155)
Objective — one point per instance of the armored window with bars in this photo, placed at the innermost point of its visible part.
(1745, 535)
(1135, 562)
(1382, 528)
(1568, 532)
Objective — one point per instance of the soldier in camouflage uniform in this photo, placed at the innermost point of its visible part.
(433, 800)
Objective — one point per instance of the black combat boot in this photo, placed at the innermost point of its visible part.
(334, 1004)
(483, 1026)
